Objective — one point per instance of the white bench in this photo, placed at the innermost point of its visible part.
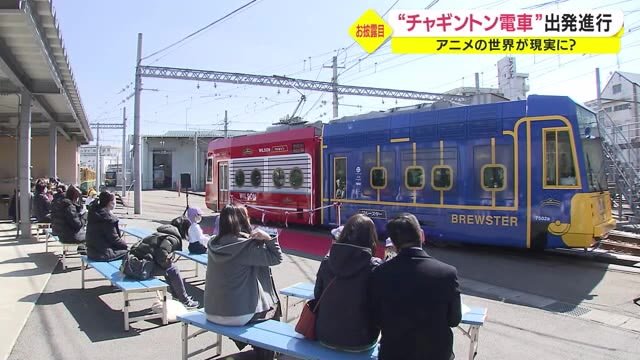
(474, 318)
(271, 335)
(111, 271)
(136, 232)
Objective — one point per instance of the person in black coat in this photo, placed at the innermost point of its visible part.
(343, 318)
(416, 298)
(160, 247)
(68, 218)
(104, 240)
(41, 204)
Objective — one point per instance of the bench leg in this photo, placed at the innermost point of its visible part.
(46, 243)
(286, 308)
(185, 341)
(82, 268)
(165, 319)
(473, 344)
(64, 257)
(219, 347)
(125, 309)
(196, 268)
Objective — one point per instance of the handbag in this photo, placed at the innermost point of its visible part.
(307, 323)
(139, 269)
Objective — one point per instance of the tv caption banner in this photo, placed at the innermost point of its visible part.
(491, 32)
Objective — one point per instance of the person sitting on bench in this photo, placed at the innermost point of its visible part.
(68, 220)
(41, 204)
(238, 287)
(343, 319)
(104, 239)
(160, 247)
(197, 239)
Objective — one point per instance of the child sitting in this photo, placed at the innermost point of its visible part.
(197, 239)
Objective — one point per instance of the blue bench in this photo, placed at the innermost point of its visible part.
(136, 232)
(199, 259)
(474, 317)
(111, 271)
(271, 335)
(52, 241)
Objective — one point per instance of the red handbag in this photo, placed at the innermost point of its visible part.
(307, 323)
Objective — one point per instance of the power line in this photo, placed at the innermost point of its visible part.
(202, 29)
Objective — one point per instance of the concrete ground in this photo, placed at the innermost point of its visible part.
(540, 306)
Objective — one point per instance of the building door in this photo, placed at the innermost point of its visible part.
(162, 171)
(223, 184)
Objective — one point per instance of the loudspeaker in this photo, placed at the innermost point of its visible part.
(185, 180)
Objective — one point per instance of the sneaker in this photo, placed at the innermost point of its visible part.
(189, 303)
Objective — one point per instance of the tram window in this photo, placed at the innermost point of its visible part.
(256, 177)
(209, 170)
(493, 177)
(559, 168)
(441, 177)
(339, 177)
(278, 178)
(414, 176)
(296, 177)
(239, 178)
(378, 176)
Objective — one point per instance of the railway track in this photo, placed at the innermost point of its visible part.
(622, 242)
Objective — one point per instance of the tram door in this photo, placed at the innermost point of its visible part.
(223, 184)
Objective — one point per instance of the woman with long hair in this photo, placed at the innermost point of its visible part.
(239, 288)
(343, 318)
(104, 239)
(67, 218)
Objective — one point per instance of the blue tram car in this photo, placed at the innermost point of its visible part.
(523, 174)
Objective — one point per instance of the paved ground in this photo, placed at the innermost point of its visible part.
(541, 306)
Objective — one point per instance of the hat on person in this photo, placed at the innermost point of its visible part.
(192, 212)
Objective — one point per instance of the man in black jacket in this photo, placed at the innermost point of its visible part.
(415, 298)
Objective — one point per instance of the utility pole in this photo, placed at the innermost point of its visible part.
(226, 125)
(334, 85)
(195, 161)
(124, 151)
(97, 187)
(137, 159)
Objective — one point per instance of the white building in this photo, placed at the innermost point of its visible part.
(620, 97)
(513, 85)
(109, 155)
(165, 157)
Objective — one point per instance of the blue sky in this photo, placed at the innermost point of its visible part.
(293, 38)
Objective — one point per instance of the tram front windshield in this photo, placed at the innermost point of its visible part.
(592, 149)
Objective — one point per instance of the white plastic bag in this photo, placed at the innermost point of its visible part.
(174, 308)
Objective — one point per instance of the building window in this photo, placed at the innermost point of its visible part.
(414, 177)
(239, 178)
(209, 170)
(622, 107)
(494, 177)
(441, 177)
(378, 176)
(608, 109)
(256, 177)
(559, 168)
(339, 177)
(617, 88)
(278, 178)
(296, 177)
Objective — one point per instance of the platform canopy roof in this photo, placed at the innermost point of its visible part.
(33, 58)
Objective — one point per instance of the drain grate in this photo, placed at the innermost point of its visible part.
(567, 309)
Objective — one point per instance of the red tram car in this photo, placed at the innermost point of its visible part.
(275, 174)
